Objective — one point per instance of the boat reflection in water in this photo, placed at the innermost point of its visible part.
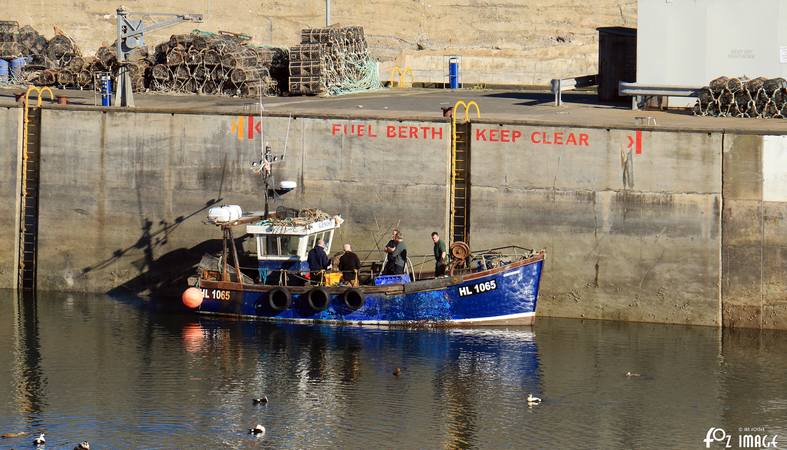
(343, 380)
(119, 375)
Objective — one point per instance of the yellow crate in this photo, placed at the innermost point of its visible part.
(332, 278)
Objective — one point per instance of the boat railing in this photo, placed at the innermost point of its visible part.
(483, 260)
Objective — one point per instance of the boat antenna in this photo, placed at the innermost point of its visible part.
(266, 176)
(263, 166)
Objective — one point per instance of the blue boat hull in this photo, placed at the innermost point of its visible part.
(501, 296)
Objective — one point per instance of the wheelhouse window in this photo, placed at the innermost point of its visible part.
(278, 245)
(325, 235)
(289, 245)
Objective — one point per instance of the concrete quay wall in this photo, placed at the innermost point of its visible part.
(754, 244)
(10, 150)
(124, 195)
(629, 219)
(669, 226)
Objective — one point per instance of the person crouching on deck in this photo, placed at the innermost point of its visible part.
(318, 262)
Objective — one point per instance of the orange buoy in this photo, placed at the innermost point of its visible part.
(192, 297)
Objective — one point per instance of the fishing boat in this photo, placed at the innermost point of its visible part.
(496, 286)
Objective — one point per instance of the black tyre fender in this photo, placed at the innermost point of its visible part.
(279, 298)
(318, 299)
(354, 299)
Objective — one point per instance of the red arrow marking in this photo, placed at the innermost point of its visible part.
(251, 128)
(639, 142)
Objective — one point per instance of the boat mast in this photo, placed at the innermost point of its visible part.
(229, 240)
(267, 158)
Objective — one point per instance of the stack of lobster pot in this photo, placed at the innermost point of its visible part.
(739, 97)
(54, 62)
(9, 35)
(206, 63)
(328, 59)
(57, 64)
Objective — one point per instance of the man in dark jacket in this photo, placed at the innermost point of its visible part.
(349, 264)
(318, 261)
(397, 254)
(440, 255)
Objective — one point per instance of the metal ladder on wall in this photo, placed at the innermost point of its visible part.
(459, 222)
(460, 170)
(28, 207)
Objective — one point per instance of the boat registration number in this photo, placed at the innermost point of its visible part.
(216, 294)
(478, 288)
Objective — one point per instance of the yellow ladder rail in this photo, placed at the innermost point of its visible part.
(454, 172)
(25, 160)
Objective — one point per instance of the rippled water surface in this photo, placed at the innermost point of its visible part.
(122, 373)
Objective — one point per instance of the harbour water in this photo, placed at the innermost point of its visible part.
(124, 373)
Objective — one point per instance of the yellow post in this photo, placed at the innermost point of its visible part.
(396, 69)
(466, 106)
(403, 79)
(402, 75)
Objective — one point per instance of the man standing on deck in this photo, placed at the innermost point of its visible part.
(318, 261)
(440, 255)
(397, 254)
(349, 265)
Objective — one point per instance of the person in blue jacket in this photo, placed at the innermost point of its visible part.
(318, 261)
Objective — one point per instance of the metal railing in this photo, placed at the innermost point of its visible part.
(640, 91)
(569, 84)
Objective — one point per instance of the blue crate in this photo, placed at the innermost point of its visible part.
(382, 280)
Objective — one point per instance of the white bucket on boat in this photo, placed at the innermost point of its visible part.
(287, 185)
(224, 214)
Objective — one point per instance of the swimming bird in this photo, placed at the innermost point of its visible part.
(12, 435)
(397, 372)
(533, 400)
(632, 374)
(262, 400)
(39, 440)
(259, 430)
(84, 445)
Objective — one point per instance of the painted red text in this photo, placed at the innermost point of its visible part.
(413, 132)
(559, 138)
(497, 135)
(352, 129)
(391, 131)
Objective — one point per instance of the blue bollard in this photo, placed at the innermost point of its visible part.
(453, 72)
(3, 71)
(106, 90)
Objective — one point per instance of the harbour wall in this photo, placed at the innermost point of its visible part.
(754, 244)
(124, 196)
(630, 219)
(10, 148)
(672, 226)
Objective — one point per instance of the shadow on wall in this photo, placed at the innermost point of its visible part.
(167, 274)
